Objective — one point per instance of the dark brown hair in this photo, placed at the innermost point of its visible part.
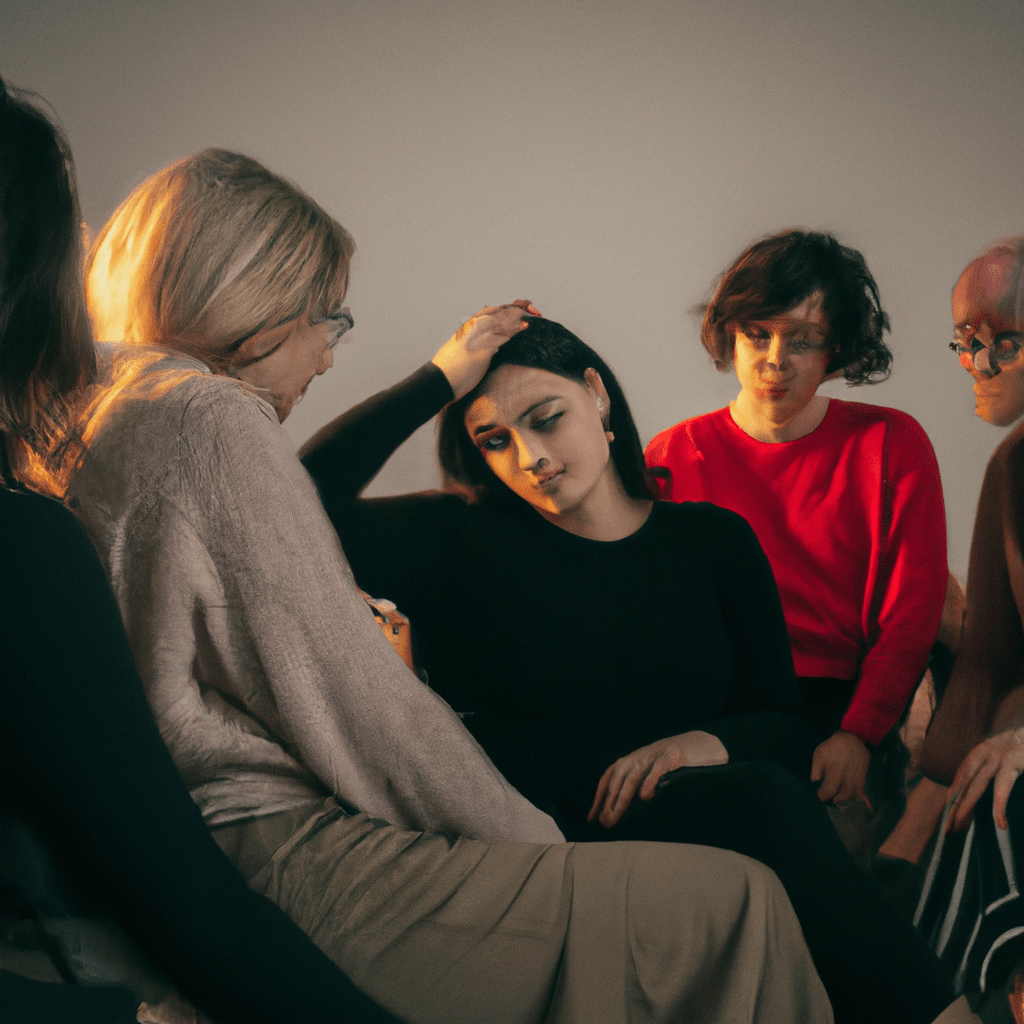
(46, 350)
(549, 346)
(779, 272)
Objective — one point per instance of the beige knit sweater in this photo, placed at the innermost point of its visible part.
(268, 677)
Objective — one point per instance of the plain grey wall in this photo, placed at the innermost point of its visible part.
(606, 159)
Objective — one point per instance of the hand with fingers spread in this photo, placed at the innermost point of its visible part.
(464, 358)
(841, 765)
(638, 773)
(1000, 757)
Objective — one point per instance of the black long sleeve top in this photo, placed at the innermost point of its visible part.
(564, 653)
(81, 761)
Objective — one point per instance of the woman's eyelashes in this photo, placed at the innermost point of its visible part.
(492, 442)
(499, 440)
(546, 423)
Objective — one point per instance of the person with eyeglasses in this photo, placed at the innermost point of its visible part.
(844, 497)
(971, 907)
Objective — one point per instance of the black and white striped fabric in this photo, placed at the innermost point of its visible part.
(971, 910)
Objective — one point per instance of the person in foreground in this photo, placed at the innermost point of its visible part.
(607, 621)
(295, 724)
(81, 760)
(971, 906)
(844, 497)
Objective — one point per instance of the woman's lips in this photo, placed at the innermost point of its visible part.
(544, 479)
(774, 391)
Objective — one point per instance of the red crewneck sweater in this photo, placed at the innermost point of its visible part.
(852, 520)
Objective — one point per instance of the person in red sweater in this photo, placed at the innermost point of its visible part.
(844, 497)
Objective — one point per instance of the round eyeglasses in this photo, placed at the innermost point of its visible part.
(987, 359)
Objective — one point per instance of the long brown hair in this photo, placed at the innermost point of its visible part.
(46, 351)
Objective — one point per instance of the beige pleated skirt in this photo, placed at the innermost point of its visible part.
(477, 932)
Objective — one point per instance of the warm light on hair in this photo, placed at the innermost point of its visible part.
(209, 252)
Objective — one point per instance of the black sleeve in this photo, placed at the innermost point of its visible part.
(764, 722)
(344, 456)
(396, 545)
(783, 737)
(82, 761)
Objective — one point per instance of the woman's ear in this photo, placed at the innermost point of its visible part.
(248, 351)
(596, 387)
(260, 345)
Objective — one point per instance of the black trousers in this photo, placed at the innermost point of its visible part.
(26, 1001)
(873, 963)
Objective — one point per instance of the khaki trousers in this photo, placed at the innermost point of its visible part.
(471, 932)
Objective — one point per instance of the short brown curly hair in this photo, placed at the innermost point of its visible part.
(780, 271)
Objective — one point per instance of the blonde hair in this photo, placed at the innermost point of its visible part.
(209, 252)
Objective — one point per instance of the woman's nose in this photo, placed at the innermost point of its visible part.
(530, 454)
(326, 360)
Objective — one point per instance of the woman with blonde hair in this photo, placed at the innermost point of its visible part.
(294, 723)
(82, 765)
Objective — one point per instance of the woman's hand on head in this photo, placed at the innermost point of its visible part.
(464, 358)
(841, 765)
(638, 773)
(999, 758)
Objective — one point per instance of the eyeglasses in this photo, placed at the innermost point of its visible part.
(343, 322)
(340, 318)
(987, 359)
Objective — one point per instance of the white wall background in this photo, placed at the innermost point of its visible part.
(606, 159)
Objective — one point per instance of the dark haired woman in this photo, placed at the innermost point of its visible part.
(81, 761)
(594, 639)
(845, 498)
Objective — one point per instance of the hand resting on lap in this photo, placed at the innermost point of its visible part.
(639, 772)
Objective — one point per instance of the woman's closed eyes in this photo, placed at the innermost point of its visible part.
(498, 440)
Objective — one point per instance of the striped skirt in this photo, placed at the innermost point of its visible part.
(971, 910)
